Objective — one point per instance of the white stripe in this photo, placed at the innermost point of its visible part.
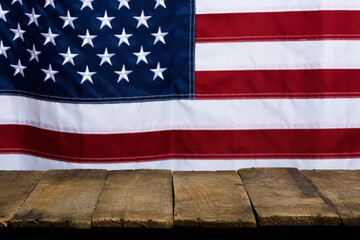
(183, 114)
(327, 54)
(26, 162)
(238, 6)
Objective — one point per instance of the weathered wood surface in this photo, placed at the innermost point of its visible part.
(15, 186)
(136, 198)
(340, 189)
(284, 197)
(164, 199)
(62, 198)
(211, 199)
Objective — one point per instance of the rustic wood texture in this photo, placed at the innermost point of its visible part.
(136, 198)
(284, 197)
(159, 199)
(62, 198)
(211, 199)
(341, 189)
(15, 186)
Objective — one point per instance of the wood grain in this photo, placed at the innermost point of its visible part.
(15, 186)
(136, 198)
(211, 199)
(284, 197)
(341, 189)
(62, 198)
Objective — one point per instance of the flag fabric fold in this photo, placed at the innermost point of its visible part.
(180, 84)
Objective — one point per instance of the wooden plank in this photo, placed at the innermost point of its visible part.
(14, 188)
(62, 198)
(341, 189)
(136, 198)
(284, 197)
(211, 199)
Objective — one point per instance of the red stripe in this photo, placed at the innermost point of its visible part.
(201, 144)
(277, 83)
(298, 25)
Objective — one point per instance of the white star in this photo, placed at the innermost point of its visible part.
(3, 13)
(86, 75)
(87, 39)
(68, 56)
(50, 73)
(123, 37)
(159, 36)
(14, 1)
(160, 2)
(3, 49)
(105, 20)
(105, 57)
(87, 3)
(123, 74)
(50, 37)
(142, 20)
(68, 20)
(141, 55)
(158, 72)
(49, 2)
(33, 53)
(19, 68)
(18, 33)
(33, 17)
(124, 3)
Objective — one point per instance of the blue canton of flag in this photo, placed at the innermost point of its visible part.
(97, 50)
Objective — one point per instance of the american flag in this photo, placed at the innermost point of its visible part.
(179, 84)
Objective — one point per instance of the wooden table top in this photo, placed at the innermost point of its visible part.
(164, 199)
